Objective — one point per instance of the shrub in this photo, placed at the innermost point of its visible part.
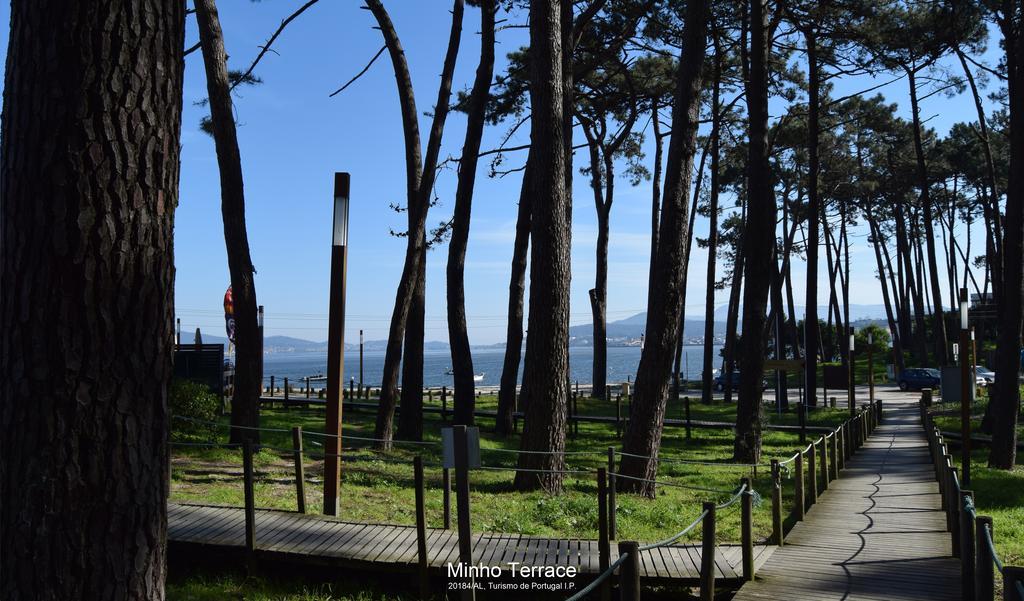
(194, 401)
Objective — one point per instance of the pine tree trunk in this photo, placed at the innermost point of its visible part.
(1006, 398)
(664, 311)
(546, 364)
(516, 290)
(707, 378)
(89, 184)
(811, 333)
(458, 335)
(246, 401)
(655, 193)
(410, 418)
(758, 243)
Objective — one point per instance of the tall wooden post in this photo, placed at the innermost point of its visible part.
(629, 572)
(612, 502)
(462, 503)
(777, 534)
(747, 529)
(968, 552)
(798, 494)
(421, 528)
(336, 345)
(300, 472)
(985, 566)
(603, 550)
(707, 554)
(250, 497)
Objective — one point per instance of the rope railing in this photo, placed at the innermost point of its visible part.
(672, 484)
(583, 592)
(676, 536)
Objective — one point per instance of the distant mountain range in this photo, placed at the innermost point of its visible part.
(624, 332)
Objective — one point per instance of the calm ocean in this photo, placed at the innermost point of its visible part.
(622, 363)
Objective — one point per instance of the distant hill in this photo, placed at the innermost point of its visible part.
(857, 312)
(628, 330)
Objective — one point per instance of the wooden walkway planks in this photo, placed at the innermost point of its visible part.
(299, 537)
(878, 533)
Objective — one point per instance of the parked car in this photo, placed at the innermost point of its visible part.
(735, 383)
(919, 378)
(985, 374)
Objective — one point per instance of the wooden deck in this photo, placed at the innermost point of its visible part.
(318, 540)
(878, 533)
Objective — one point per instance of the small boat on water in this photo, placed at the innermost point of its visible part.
(476, 377)
(449, 371)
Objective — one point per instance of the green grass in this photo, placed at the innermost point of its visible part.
(377, 487)
(230, 586)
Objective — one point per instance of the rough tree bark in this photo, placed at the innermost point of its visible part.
(419, 183)
(248, 352)
(89, 184)
(811, 333)
(546, 363)
(1006, 400)
(707, 378)
(758, 243)
(458, 336)
(516, 291)
(647, 411)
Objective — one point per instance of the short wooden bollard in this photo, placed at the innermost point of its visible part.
(272, 386)
(629, 571)
(985, 565)
(421, 528)
(832, 402)
(603, 550)
(444, 404)
(824, 464)
(1011, 576)
(967, 549)
(250, 497)
(286, 390)
(446, 487)
(747, 529)
(300, 472)
(777, 534)
(612, 502)
(707, 554)
(798, 493)
(812, 474)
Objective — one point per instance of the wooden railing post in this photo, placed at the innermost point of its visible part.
(985, 564)
(954, 511)
(747, 529)
(707, 554)
(1011, 576)
(300, 472)
(798, 494)
(612, 503)
(421, 528)
(629, 572)
(286, 391)
(777, 534)
(446, 492)
(462, 502)
(835, 454)
(968, 551)
(824, 464)
(812, 474)
(603, 550)
(250, 498)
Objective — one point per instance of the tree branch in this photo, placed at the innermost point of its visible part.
(360, 74)
(266, 47)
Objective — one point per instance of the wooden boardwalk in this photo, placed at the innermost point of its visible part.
(319, 540)
(878, 533)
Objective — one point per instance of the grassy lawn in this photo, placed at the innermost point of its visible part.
(222, 586)
(377, 487)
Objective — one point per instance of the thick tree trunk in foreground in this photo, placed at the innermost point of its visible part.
(419, 184)
(89, 185)
(516, 292)
(458, 335)
(410, 418)
(1006, 400)
(758, 242)
(647, 411)
(811, 333)
(248, 352)
(546, 364)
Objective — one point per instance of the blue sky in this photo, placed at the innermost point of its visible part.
(293, 138)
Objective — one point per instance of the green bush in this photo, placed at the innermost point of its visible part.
(193, 401)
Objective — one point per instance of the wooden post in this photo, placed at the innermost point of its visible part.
(300, 472)
(286, 391)
(968, 552)
(689, 425)
(444, 403)
(250, 498)
(707, 554)
(572, 414)
(603, 551)
(812, 473)
(1011, 576)
(985, 566)
(446, 486)
(612, 503)
(272, 389)
(824, 464)
(954, 511)
(835, 455)
(777, 534)
(576, 408)
(801, 411)
(462, 503)
(421, 528)
(801, 504)
(618, 417)
(629, 572)
(747, 529)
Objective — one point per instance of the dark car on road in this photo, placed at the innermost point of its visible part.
(735, 382)
(919, 378)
